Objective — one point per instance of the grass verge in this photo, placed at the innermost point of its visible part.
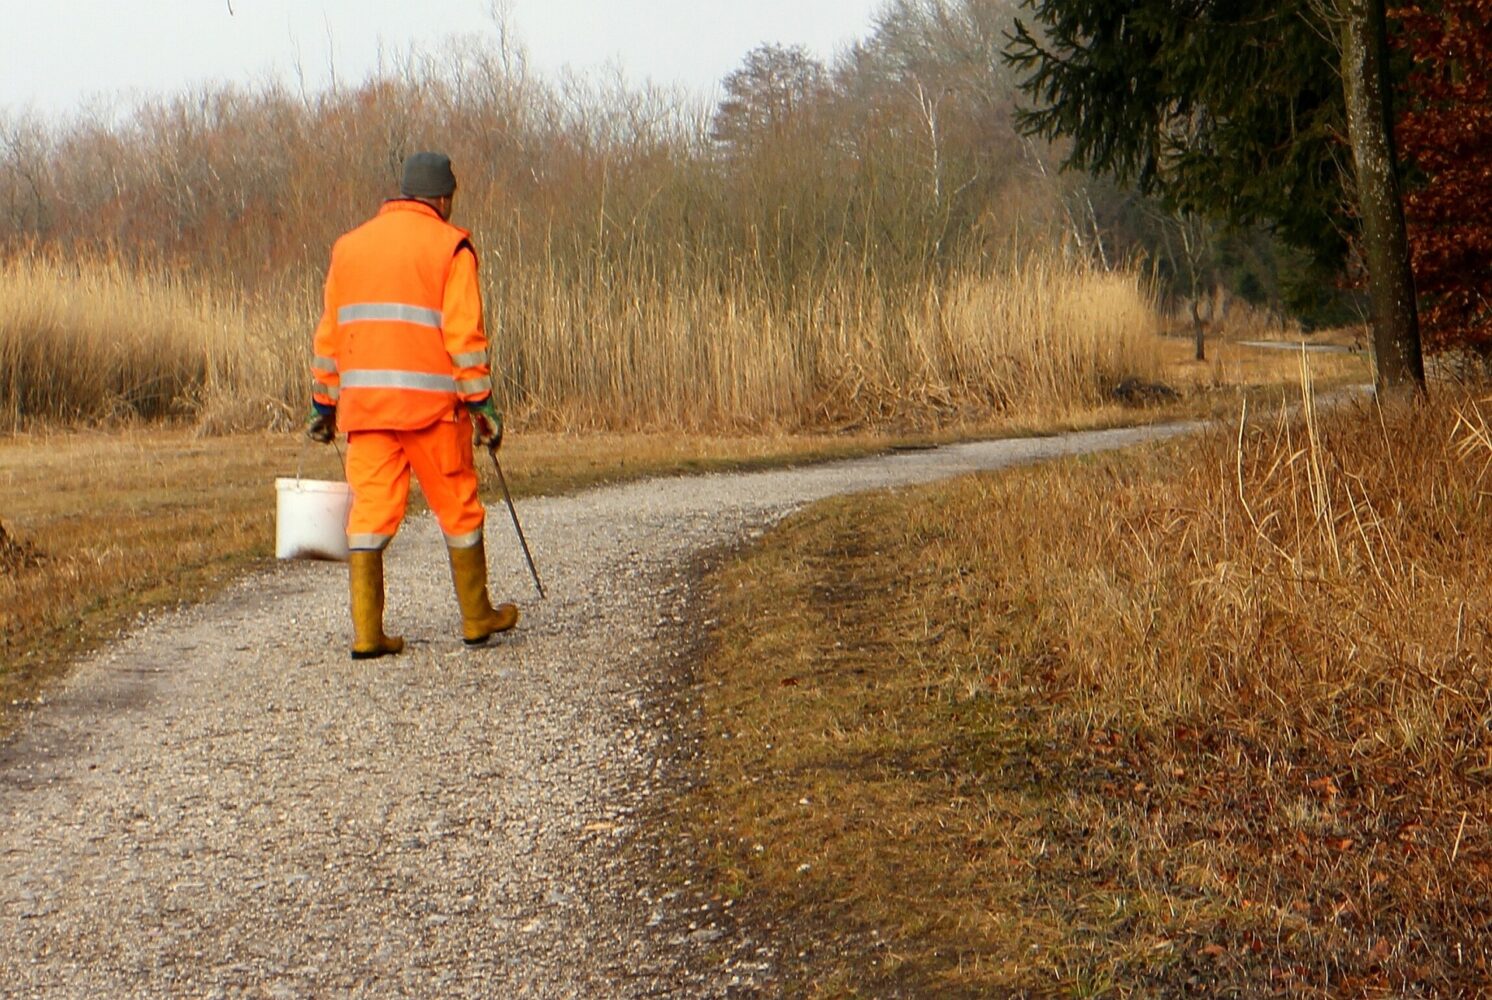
(1212, 717)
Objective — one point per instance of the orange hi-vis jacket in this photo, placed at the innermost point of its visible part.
(401, 340)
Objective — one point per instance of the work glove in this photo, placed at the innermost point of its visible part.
(321, 423)
(487, 424)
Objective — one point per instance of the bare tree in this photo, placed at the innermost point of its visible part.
(774, 86)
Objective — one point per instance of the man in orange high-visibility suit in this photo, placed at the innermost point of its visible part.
(401, 367)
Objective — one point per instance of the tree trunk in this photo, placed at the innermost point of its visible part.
(1197, 331)
(1396, 344)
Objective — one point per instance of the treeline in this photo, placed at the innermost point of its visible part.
(899, 158)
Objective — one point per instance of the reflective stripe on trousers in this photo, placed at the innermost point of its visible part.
(465, 541)
(379, 464)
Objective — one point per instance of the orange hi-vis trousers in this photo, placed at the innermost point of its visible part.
(378, 466)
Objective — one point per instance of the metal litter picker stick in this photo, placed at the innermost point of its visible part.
(513, 513)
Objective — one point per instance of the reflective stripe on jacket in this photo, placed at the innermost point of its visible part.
(401, 339)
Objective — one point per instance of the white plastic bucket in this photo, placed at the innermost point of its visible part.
(311, 519)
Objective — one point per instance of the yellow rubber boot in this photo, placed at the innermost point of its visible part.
(480, 621)
(365, 572)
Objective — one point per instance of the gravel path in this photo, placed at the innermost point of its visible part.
(1297, 346)
(224, 805)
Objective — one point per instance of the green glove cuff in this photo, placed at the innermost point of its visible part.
(486, 418)
(485, 406)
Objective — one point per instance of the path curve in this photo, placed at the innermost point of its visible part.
(224, 805)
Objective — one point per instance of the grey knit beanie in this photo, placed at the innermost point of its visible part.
(427, 175)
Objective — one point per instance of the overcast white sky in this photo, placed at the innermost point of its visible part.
(59, 58)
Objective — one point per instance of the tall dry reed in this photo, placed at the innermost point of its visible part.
(91, 340)
(87, 341)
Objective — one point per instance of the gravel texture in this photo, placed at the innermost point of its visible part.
(223, 804)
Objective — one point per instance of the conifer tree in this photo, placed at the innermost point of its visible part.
(1239, 111)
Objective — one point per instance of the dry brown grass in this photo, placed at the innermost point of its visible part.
(1211, 718)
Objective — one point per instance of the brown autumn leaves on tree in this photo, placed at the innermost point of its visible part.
(1445, 133)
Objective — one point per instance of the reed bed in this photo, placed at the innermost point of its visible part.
(1041, 337)
(95, 341)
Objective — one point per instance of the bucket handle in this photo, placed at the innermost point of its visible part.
(300, 458)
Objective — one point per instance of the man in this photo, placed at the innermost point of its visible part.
(401, 367)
